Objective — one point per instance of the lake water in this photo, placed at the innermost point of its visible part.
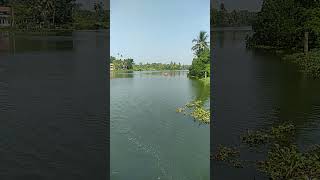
(53, 114)
(253, 90)
(149, 139)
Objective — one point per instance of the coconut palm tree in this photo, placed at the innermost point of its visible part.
(46, 7)
(201, 43)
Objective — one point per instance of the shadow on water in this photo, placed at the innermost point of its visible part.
(202, 93)
(18, 42)
(53, 121)
(114, 74)
(145, 74)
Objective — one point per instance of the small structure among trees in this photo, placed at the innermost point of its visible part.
(5, 16)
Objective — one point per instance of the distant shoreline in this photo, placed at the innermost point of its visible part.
(47, 30)
(128, 71)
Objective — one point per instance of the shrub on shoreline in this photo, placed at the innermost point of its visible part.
(307, 63)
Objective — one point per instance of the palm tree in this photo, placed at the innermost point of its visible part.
(201, 43)
(46, 7)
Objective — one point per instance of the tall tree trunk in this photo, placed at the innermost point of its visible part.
(12, 17)
(306, 42)
(54, 14)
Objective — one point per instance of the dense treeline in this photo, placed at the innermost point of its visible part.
(283, 24)
(160, 66)
(128, 64)
(223, 18)
(200, 67)
(52, 14)
(290, 25)
(85, 19)
(122, 64)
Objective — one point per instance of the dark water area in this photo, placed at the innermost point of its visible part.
(149, 139)
(53, 114)
(254, 89)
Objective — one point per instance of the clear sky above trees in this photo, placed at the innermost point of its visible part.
(157, 31)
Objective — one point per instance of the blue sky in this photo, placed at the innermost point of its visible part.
(157, 30)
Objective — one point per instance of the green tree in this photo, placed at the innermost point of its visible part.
(98, 8)
(282, 23)
(128, 63)
(201, 62)
(201, 43)
(45, 8)
(112, 59)
(33, 13)
(201, 65)
(64, 11)
(312, 21)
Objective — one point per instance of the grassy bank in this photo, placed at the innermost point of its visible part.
(308, 63)
(205, 81)
(122, 71)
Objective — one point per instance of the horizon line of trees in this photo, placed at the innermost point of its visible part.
(129, 64)
(160, 66)
(234, 18)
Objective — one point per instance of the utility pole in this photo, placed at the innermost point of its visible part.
(306, 42)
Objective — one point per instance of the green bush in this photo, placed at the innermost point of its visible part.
(309, 63)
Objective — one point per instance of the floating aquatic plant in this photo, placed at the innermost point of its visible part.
(228, 155)
(280, 134)
(289, 163)
(201, 114)
(255, 138)
(196, 110)
(284, 160)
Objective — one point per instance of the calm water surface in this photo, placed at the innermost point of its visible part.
(255, 89)
(149, 140)
(52, 110)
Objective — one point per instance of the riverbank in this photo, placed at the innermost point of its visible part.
(46, 30)
(132, 70)
(308, 63)
(122, 71)
(206, 81)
